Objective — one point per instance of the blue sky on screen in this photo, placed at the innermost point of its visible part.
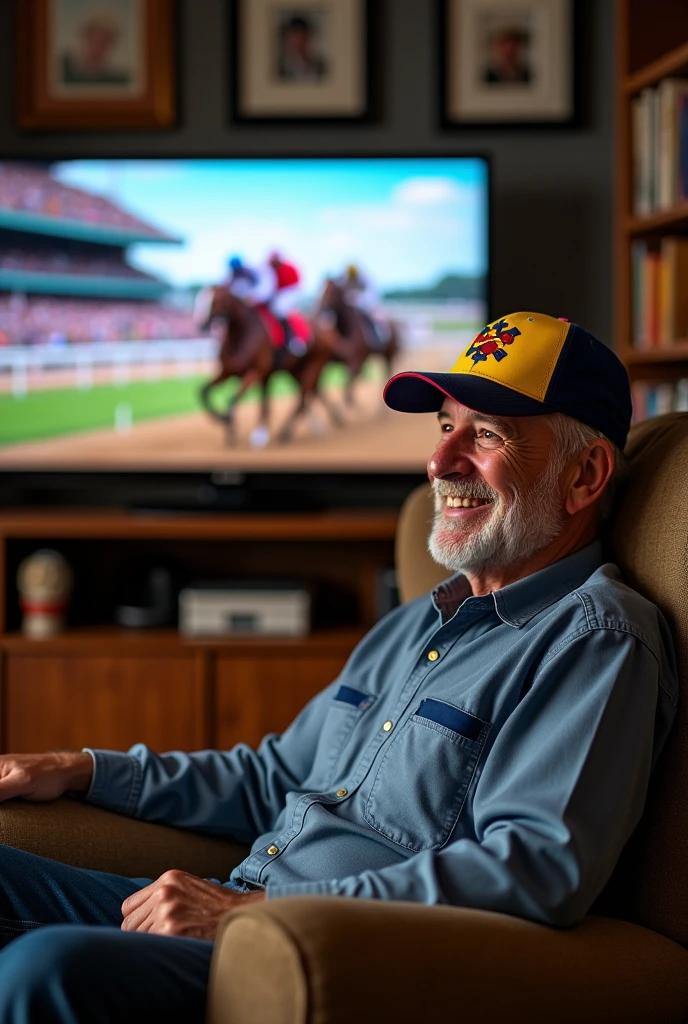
(407, 222)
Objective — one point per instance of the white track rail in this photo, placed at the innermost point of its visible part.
(117, 359)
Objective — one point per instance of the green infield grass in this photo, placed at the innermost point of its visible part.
(455, 325)
(39, 415)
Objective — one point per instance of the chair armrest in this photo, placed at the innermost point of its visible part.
(89, 837)
(332, 960)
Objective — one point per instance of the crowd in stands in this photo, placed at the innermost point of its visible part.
(67, 263)
(33, 190)
(34, 320)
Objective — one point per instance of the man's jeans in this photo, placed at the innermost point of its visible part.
(65, 960)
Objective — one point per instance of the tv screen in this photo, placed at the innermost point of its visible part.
(196, 315)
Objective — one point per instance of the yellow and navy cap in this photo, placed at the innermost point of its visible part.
(527, 364)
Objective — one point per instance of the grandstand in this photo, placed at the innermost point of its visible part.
(64, 274)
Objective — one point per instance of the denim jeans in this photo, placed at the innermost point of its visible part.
(64, 958)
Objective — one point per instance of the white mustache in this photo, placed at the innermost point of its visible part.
(473, 489)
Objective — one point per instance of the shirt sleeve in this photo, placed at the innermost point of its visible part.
(561, 790)
(238, 793)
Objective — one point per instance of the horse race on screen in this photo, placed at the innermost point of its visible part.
(218, 314)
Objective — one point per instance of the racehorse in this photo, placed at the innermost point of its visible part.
(354, 329)
(247, 352)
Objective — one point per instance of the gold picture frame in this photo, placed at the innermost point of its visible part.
(85, 64)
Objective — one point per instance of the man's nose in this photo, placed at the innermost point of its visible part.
(450, 458)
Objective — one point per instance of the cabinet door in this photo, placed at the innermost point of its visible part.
(60, 702)
(264, 693)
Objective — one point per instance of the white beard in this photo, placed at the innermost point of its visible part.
(531, 522)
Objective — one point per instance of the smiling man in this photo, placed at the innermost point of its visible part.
(488, 745)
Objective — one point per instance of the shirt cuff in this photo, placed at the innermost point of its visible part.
(273, 892)
(116, 782)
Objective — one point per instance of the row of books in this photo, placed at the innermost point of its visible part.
(659, 291)
(653, 399)
(659, 126)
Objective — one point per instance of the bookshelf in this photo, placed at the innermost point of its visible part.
(652, 48)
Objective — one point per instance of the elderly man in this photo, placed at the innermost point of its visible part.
(487, 746)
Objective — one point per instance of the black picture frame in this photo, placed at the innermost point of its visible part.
(447, 121)
(370, 65)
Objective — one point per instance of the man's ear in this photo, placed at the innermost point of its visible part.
(589, 476)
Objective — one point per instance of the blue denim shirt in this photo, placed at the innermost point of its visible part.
(489, 752)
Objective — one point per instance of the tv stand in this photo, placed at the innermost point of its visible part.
(102, 685)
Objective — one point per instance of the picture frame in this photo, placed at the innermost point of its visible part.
(307, 61)
(85, 64)
(507, 63)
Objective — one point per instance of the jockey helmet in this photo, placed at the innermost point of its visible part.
(235, 263)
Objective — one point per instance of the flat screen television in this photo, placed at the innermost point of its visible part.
(113, 275)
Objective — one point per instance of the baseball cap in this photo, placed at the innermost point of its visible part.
(527, 364)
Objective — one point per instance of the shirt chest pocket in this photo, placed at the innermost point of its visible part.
(345, 711)
(424, 775)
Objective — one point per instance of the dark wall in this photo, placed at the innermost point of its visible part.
(552, 188)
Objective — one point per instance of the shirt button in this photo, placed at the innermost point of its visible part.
(342, 792)
(387, 725)
(272, 850)
(433, 655)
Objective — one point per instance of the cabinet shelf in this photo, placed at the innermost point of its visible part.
(676, 352)
(661, 221)
(675, 62)
(105, 524)
(104, 639)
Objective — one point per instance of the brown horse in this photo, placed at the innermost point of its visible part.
(355, 334)
(247, 352)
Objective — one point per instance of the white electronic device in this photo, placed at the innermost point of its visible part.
(244, 608)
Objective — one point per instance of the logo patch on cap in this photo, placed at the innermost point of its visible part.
(531, 341)
(491, 342)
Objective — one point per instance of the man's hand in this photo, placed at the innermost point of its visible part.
(182, 905)
(44, 776)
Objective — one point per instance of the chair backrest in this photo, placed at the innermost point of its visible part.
(648, 539)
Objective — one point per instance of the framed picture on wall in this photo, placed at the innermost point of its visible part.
(301, 60)
(95, 64)
(507, 62)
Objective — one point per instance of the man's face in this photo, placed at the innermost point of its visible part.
(98, 40)
(297, 40)
(509, 49)
(497, 494)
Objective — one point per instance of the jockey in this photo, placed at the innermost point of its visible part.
(287, 281)
(241, 279)
(287, 288)
(360, 292)
(273, 285)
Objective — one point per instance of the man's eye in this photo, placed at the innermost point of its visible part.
(489, 435)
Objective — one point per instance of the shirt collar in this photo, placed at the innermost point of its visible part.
(517, 603)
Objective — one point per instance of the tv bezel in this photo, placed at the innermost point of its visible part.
(226, 490)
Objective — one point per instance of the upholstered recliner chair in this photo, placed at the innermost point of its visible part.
(327, 960)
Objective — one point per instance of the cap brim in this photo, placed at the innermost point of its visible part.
(425, 392)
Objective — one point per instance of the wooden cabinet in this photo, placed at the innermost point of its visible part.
(68, 701)
(103, 686)
(257, 695)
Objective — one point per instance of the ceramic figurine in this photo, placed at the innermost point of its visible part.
(44, 580)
